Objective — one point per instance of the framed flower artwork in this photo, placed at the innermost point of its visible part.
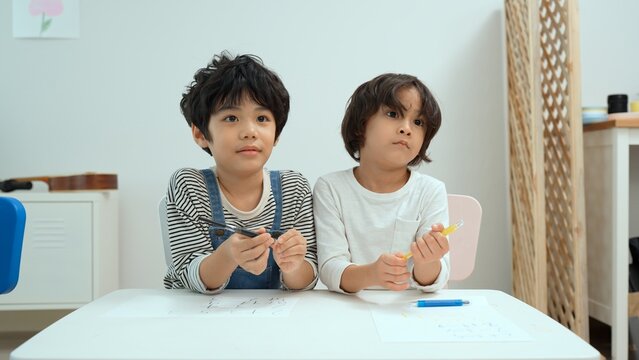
(46, 18)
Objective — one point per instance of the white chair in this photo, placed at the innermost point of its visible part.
(463, 242)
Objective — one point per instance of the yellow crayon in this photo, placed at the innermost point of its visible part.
(447, 231)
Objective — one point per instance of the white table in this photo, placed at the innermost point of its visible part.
(607, 170)
(321, 325)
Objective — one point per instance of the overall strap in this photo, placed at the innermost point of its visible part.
(276, 188)
(215, 199)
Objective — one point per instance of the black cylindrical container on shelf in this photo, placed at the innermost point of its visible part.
(617, 103)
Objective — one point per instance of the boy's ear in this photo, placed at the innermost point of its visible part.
(199, 137)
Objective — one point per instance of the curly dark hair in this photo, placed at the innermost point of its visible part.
(382, 90)
(224, 82)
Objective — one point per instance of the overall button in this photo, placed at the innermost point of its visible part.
(219, 232)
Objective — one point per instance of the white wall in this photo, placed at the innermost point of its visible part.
(108, 101)
(609, 50)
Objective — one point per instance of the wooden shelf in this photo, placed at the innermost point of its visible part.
(620, 120)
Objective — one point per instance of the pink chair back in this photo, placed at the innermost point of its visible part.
(463, 242)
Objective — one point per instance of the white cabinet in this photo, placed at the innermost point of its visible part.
(70, 250)
(609, 166)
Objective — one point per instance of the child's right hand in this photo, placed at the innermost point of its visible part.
(391, 272)
(250, 253)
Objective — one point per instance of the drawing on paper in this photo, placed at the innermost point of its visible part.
(44, 8)
(475, 322)
(222, 305)
(252, 306)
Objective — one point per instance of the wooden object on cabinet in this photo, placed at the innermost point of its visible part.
(70, 250)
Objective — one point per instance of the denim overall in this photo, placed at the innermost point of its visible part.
(242, 279)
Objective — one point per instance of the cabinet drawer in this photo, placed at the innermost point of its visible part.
(56, 265)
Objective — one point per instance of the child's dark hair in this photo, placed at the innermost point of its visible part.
(382, 90)
(224, 82)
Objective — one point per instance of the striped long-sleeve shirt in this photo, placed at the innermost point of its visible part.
(190, 241)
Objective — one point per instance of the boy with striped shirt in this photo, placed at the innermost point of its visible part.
(236, 109)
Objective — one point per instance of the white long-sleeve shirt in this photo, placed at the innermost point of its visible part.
(354, 225)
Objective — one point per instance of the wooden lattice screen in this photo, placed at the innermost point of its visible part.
(553, 104)
(526, 154)
(563, 165)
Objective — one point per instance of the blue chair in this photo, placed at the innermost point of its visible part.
(12, 221)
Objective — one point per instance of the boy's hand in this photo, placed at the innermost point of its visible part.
(431, 247)
(289, 251)
(251, 253)
(391, 272)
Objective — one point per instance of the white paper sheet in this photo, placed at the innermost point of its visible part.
(477, 321)
(205, 306)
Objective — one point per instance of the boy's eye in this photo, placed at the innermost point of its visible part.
(419, 122)
(392, 114)
(262, 118)
(230, 118)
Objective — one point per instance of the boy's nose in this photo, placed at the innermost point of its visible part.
(404, 127)
(248, 132)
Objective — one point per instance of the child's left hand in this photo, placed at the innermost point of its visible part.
(289, 250)
(431, 247)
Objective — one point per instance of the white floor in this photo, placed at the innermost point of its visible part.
(10, 341)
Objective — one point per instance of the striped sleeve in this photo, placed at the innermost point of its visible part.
(190, 243)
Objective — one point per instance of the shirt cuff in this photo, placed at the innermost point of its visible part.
(439, 283)
(196, 281)
(331, 274)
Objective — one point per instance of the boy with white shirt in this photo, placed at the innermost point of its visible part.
(367, 218)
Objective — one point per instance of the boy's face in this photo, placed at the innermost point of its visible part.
(393, 140)
(242, 137)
